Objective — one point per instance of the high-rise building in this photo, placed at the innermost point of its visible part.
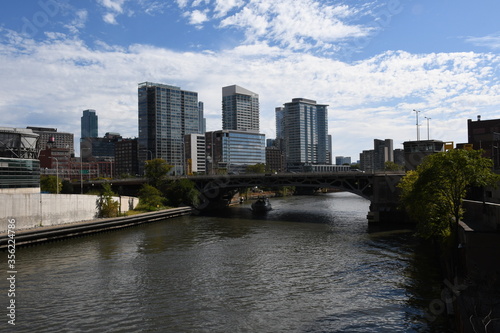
(126, 157)
(51, 138)
(240, 109)
(305, 128)
(194, 146)
(341, 160)
(202, 128)
(280, 118)
(233, 151)
(89, 123)
(383, 152)
(166, 114)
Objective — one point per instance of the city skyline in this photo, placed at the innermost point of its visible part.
(372, 63)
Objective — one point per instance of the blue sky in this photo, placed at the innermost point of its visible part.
(373, 62)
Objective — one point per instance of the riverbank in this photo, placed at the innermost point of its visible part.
(51, 233)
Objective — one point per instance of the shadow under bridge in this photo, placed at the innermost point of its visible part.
(379, 188)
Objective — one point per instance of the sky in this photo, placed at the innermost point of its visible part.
(373, 62)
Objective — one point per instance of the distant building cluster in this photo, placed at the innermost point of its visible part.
(172, 127)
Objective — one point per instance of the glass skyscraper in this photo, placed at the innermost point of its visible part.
(240, 109)
(233, 151)
(89, 124)
(305, 128)
(166, 114)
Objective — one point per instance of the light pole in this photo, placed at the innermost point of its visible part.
(418, 131)
(428, 136)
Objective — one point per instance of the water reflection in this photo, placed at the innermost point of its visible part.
(309, 265)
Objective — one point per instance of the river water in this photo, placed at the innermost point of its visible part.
(311, 264)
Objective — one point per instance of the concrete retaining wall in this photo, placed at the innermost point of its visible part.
(485, 216)
(33, 210)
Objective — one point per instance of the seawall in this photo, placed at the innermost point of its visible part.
(52, 233)
(32, 210)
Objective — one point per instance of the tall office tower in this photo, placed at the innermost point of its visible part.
(89, 124)
(383, 152)
(280, 118)
(306, 133)
(202, 128)
(240, 109)
(166, 114)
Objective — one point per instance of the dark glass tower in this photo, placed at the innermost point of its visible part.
(305, 128)
(166, 114)
(89, 124)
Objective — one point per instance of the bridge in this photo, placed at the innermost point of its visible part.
(380, 188)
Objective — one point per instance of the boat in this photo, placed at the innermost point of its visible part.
(261, 205)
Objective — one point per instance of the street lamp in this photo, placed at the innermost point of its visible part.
(418, 131)
(428, 137)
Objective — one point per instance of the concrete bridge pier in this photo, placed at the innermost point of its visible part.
(384, 207)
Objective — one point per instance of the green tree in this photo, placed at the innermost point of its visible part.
(156, 172)
(182, 192)
(49, 184)
(106, 206)
(66, 187)
(391, 166)
(150, 198)
(433, 194)
(257, 168)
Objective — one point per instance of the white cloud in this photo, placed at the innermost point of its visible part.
(78, 22)
(300, 24)
(110, 18)
(113, 5)
(369, 99)
(197, 17)
(114, 8)
(222, 7)
(491, 41)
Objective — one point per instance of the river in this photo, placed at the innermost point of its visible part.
(311, 264)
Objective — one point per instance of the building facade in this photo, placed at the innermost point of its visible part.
(366, 159)
(383, 151)
(126, 157)
(305, 131)
(19, 164)
(89, 124)
(275, 159)
(341, 160)
(95, 149)
(240, 109)
(51, 137)
(416, 151)
(166, 114)
(485, 135)
(233, 151)
(202, 128)
(194, 146)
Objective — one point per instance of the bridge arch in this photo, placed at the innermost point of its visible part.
(380, 189)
